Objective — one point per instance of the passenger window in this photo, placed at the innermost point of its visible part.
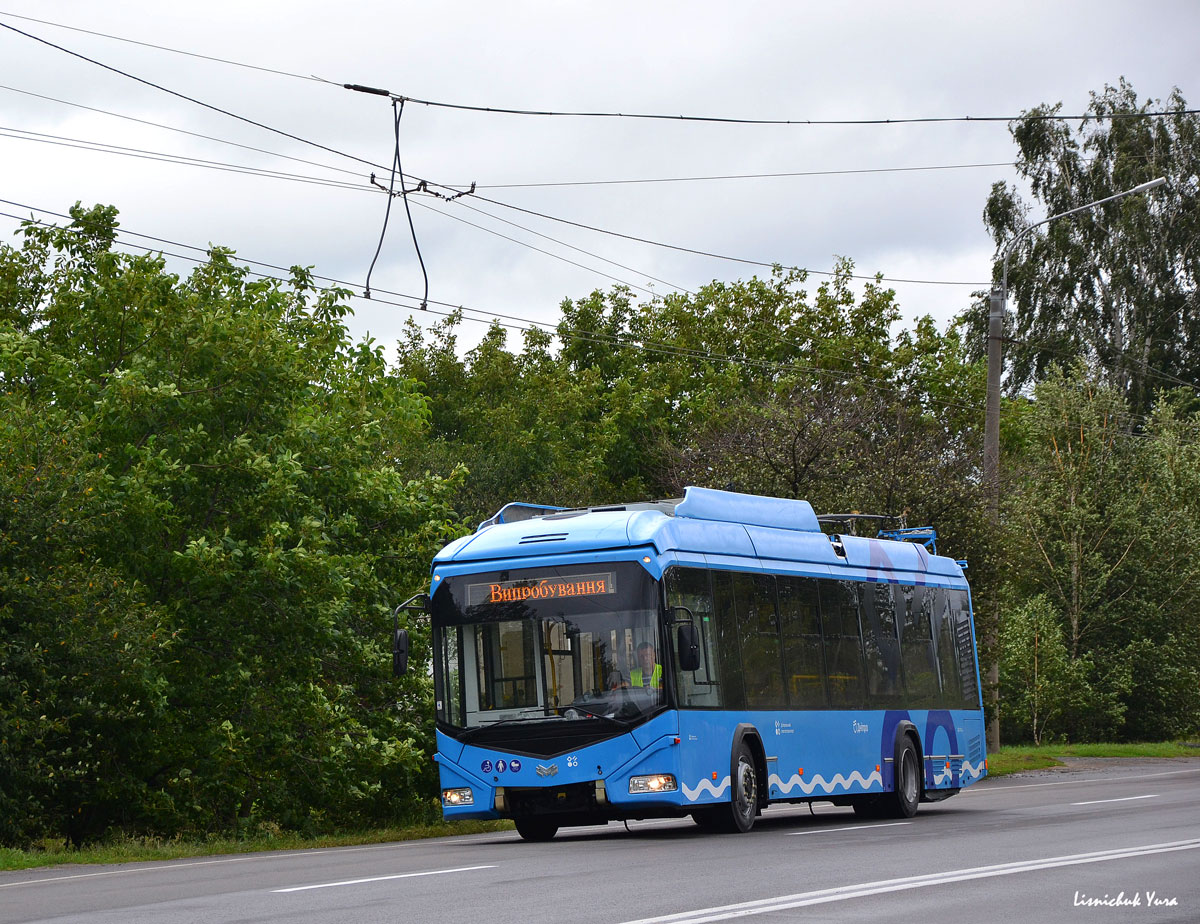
(843, 643)
(947, 655)
(885, 686)
(916, 648)
(965, 648)
(725, 590)
(803, 653)
(758, 624)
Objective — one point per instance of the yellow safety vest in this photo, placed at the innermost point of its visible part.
(635, 677)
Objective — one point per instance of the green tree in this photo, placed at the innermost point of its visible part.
(1098, 534)
(1115, 285)
(205, 524)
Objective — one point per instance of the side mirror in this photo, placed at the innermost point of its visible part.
(688, 646)
(399, 652)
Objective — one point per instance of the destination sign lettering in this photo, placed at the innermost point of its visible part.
(581, 585)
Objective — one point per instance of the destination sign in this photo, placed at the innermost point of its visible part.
(580, 585)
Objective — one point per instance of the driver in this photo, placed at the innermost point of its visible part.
(648, 673)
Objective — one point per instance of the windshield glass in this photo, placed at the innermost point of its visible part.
(575, 643)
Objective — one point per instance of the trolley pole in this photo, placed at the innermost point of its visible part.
(998, 308)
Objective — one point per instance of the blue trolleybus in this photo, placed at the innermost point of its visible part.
(702, 657)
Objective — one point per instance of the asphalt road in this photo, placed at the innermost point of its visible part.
(1103, 840)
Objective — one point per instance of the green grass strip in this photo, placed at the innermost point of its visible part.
(140, 850)
(1019, 758)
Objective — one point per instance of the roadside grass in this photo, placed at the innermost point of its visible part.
(143, 849)
(1019, 758)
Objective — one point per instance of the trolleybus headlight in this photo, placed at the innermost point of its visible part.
(458, 797)
(654, 782)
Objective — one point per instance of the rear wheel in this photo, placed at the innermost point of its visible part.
(903, 801)
(536, 829)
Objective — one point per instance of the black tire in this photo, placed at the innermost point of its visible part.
(536, 829)
(737, 817)
(902, 802)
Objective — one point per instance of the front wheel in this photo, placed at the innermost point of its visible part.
(737, 817)
(536, 829)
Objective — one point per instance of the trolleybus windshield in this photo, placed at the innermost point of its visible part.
(566, 644)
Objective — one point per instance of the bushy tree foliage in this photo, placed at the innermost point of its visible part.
(752, 384)
(1115, 285)
(203, 529)
(1104, 556)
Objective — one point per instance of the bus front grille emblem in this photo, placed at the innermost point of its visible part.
(552, 770)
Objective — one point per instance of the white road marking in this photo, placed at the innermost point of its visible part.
(346, 882)
(861, 890)
(1126, 799)
(164, 865)
(890, 824)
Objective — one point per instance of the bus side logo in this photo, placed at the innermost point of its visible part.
(552, 770)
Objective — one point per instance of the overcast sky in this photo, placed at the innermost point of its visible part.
(764, 60)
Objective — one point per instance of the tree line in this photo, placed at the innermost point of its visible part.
(211, 496)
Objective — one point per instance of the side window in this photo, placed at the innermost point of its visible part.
(843, 643)
(916, 648)
(729, 665)
(803, 653)
(504, 653)
(885, 685)
(689, 587)
(964, 647)
(758, 632)
(449, 682)
(947, 654)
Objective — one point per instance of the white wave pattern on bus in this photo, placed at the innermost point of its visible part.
(839, 781)
(966, 773)
(706, 786)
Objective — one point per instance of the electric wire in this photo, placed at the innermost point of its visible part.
(327, 279)
(461, 204)
(607, 115)
(105, 148)
(407, 210)
(101, 147)
(183, 131)
(388, 211)
(534, 247)
(178, 51)
(453, 189)
(736, 176)
(190, 99)
(531, 185)
(747, 121)
(718, 256)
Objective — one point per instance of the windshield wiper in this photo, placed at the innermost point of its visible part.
(595, 715)
(511, 720)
